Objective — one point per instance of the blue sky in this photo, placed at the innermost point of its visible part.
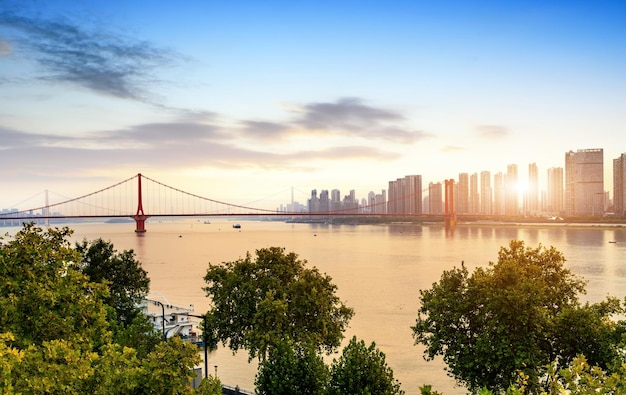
(239, 101)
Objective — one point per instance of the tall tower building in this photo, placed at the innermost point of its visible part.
(435, 198)
(462, 198)
(474, 196)
(485, 193)
(619, 185)
(584, 182)
(511, 192)
(532, 193)
(405, 195)
(413, 194)
(555, 202)
(498, 194)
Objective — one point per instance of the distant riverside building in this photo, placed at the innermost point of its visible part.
(498, 194)
(584, 182)
(554, 197)
(485, 193)
(435, 198)
(619, 185)
(474, 196)
(511, 191)
(405, 195)
(532, 192)
(462, 194)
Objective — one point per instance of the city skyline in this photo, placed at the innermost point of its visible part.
(239, 101)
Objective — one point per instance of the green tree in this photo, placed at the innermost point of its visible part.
(517, 315)
(292, 369)
(127, 281)
(54, 333)
(42, 297)
(210, 386)
(362, 370)
(257, 302)
(128, 285)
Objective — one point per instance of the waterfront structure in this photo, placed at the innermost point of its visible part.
(555, 202)
(532, 192)
(498, 194)
(619, 186)
(474, 196)
(511, 191)
(584, 182)
(462, 194)
(405, 195)
(435, 198)
(485, 193)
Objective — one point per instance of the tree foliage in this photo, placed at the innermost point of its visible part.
(259, 301)
(516, 315)
(42, 298)
(127, 281)
(55, 335)
(362, 370)
(128, 285)
(292, 369)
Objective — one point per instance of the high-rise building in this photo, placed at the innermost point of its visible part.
(584, 182)
(435, 198)
(405, 195)
(462, 194)
(555, 202)
(474, 196)
(619, 185)
(498, 194)
(511, 191)
(485, 193)
(532, 192)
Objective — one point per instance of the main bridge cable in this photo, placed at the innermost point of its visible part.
(207, 199)
(71, 200)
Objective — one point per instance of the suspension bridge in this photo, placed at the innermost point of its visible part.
(140, 198)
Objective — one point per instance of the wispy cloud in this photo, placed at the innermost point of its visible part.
(5, 48)
(350, 116)
(104, 62)
(492, 131)
(452, 148)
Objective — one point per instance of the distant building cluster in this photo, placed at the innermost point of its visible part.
(577, 189)
(16, 218)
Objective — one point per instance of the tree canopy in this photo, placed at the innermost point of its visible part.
(258, 301)
(55, 333)
(517, 315)
(362, 370)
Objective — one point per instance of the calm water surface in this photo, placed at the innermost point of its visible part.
(378, 269)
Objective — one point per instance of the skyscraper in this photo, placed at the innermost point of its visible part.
(511, 191)
(435, 198)
(619, 185)
(532, 193)
(555, 203)
(485, 193)
(498, 194)
(584, 188)
(405, 195)
(462, 197)
(474, 196)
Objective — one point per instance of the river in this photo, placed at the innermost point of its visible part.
(379, 271)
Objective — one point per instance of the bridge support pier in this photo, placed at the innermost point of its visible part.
(140, 223)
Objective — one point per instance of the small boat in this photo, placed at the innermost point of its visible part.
(237, 226)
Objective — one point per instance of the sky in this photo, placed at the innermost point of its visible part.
(239, 100)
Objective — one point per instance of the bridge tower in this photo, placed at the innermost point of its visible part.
(140, 218)
(450, 212)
